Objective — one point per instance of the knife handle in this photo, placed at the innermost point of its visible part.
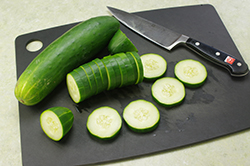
(236, 67)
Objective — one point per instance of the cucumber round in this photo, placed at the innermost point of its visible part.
(104, 122)
(141, 115)
(154, 66)
(56, 122)
(120, 43)
(112, 81)
(122, 67)
(139, 66)
(75, 47)
(131, 60)
(168, 91)
(130, 70)
(191, 73)
(103, 73)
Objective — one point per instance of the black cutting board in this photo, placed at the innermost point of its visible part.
(218, 108)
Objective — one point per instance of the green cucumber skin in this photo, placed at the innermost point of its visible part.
(72, 49)
(139, 65)
(120, 43)
(144, 130)
(66, 117)
(103, 72)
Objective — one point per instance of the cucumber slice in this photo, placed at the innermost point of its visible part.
(103, 72)
(131, 78)
(91, 78)
(56, 122)
(154, 66)
(191, 72)
(116, 69)
(97, 76)
(139, 66)
(73, 86)
(78, 85)
(120, 43)
(168, 91)
(122, 68)
(104, 122)
(134, 67)
(141, 115)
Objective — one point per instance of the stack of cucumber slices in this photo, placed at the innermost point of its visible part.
(111, 72)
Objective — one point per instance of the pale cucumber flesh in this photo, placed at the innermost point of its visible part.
(73, 88)
(141, 115)
(104, 122)
(190, 72)
(154, 65)
(168, 91)
(51, 125)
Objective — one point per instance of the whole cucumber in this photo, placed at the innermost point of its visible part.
(75, 47)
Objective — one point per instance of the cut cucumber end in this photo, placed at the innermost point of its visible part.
(120, 43)
(73, 88)
(154, 66)
(56, 122)
(141, 116)
(191, 73)
(104, 123)
(168, 91)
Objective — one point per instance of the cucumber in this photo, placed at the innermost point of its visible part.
(141, 116)
(154, 66)
(168, 91)
(191, 73)
(120, 43)
(97, 75)
(56, 122)
(103, 73)
(104, 123)
(139, 66)
(111, 72)
(77, 46)
(91, 78)
(129, 70)
(123, 70)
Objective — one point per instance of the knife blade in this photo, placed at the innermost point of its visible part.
(169, 39)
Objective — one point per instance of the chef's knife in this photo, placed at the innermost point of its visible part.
(168, 39)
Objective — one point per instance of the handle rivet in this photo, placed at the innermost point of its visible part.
(197, 43)
(239, 64)
(217, 53)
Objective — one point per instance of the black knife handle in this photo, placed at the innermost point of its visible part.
(236, 67)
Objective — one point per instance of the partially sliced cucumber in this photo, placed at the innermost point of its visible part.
(154, 66)
(168, 91)
(191, 72)
(104, 122)
(141, 115)
(56, 122)
(111, 72)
